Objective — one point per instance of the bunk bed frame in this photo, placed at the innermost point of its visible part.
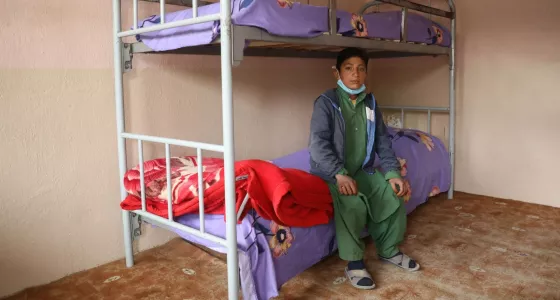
(231, 47)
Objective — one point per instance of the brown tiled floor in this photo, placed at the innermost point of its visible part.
(472, 247)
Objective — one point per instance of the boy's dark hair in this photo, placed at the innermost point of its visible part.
(349, 53)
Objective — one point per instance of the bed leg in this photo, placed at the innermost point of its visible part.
(452, 101)
(127, 238)
(226, 56)
(118, 66)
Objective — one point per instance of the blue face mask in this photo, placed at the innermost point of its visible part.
(349, 90)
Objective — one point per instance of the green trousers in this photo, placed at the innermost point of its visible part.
(376, 207)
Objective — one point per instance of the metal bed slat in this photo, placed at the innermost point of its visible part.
(404, 25)
(188, 3)
(162, 11)
(195, 8)
(421, 8)
(243, 33)
(142, 174)
(260, 37)
(415, 108)
(274, 52)
(151, 218)
(135, 14)
(169, 184)
(430, 122)
(182, 143)
(200, 190)
(429, 110)
(163, 25)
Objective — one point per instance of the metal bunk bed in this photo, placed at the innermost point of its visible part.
(231, 46)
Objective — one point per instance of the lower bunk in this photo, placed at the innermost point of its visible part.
(270, 250)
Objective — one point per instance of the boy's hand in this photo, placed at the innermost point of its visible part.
(398, 186)
(346, 185)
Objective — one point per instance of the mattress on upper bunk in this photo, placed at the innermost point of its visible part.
(277, 17)
(387, 25)
(291, 19)
(270, 254)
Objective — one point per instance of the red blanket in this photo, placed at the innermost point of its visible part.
(289, 197)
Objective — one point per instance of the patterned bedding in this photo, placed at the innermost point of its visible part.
(289, 197)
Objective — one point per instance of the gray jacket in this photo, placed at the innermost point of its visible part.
(326, 138)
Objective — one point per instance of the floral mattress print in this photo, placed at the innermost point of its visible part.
(387, 25)
(424, 163)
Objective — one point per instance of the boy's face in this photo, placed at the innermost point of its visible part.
(353, 72)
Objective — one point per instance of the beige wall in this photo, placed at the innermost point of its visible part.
(508, 108)
(58, 165)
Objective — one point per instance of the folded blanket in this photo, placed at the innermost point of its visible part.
(288, 197)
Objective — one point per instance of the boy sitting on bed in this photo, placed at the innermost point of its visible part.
(347, 130)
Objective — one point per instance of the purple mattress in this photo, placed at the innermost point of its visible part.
(269, 255)
(387, 25)
(287, 18)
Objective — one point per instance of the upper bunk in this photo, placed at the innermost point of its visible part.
(285, 28)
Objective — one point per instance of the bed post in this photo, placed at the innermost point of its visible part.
(333, 30)
(227, 123)
(452, 99)
(119, 105)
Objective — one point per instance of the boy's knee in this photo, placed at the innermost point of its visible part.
(354, 203)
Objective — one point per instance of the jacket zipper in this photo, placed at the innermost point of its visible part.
(343, 129)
